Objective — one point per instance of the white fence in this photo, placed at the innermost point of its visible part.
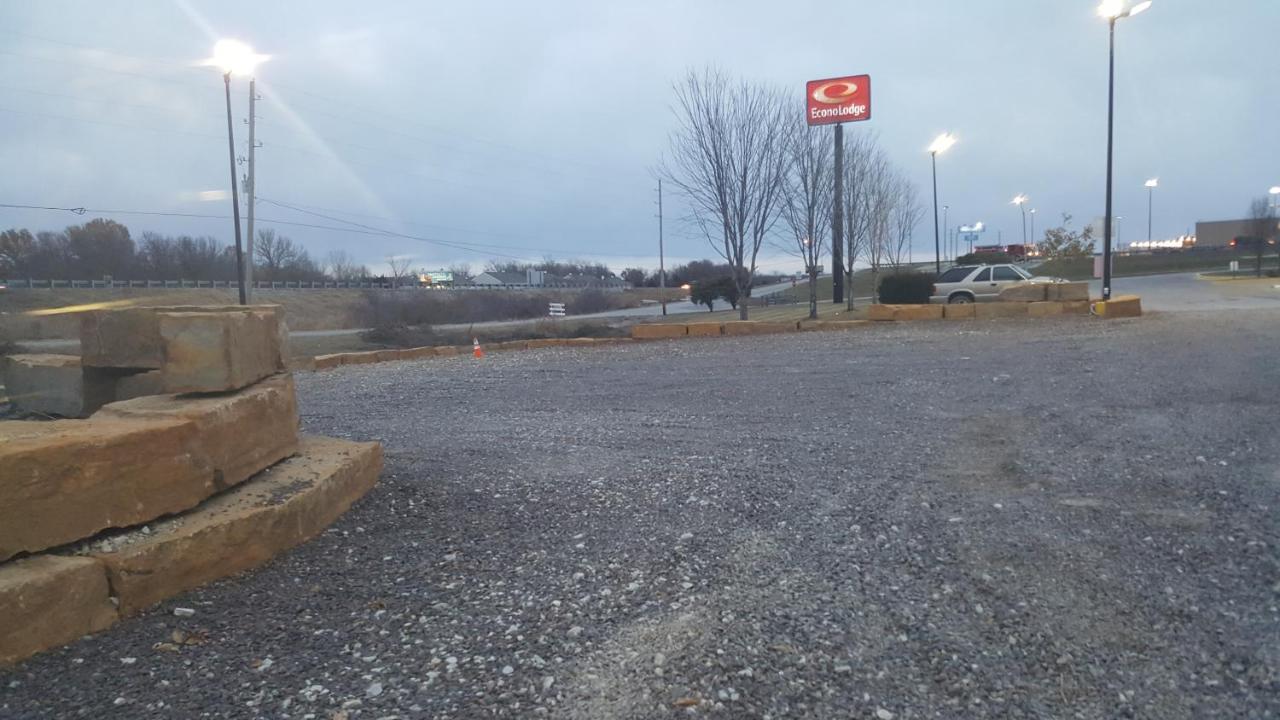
(28, 283)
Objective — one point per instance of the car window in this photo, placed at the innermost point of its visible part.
(1022, 272)
(1006, 273)
(983, 276)
(955, 274)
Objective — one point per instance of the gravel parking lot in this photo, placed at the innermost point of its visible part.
(1055, 519)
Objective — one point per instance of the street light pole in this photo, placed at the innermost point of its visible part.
(939, 145)
(1033, 226)
(1112, 10)
(235, 194)
(234, 57)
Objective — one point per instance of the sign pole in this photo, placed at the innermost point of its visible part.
(837, 223)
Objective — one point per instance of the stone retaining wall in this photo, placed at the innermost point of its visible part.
(155, 495)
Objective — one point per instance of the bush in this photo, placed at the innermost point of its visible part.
(984, 258)
(910, 288)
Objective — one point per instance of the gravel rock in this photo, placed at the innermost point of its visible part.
(854, 498)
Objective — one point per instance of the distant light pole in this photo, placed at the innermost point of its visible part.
(1112, 10)
(1275, 195)
(234, 57)
(1151, 186)
(1033, 226)
(940, 145)
(945, 208)
(1021, 201)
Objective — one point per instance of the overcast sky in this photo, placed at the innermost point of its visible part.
(533, 128)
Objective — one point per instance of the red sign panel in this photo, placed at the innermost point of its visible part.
(837, 100)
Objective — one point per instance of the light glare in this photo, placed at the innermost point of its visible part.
(1153, 182)
(942, 143)
(235, 58)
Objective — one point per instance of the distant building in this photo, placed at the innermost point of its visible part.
(1220, 233)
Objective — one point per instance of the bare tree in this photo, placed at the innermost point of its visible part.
(877, 209)
(729, 159)
(1261, 227)
(863, 160)
(462, 274)
(343, 267)
(399, 265)
(905, 214)
(807, 202)
(274, 253)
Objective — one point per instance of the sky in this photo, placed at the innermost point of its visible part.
(520, 130)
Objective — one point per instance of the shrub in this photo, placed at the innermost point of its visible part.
(908, 288)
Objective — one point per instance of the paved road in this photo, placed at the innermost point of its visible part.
(1183, 292)
(920, 520)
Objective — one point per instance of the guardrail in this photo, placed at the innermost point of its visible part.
(34, 284)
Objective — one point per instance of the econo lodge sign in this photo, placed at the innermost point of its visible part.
(837, 100)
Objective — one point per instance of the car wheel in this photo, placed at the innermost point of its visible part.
(960, 299)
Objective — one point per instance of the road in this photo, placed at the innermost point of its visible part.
(1180, 292)
(911, 520)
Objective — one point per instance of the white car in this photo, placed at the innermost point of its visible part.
(971, 283)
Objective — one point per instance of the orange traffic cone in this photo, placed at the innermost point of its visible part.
(477, 350)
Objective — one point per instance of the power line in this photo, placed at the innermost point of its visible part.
(299, 208)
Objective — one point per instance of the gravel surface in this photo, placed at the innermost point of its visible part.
(1070, 518)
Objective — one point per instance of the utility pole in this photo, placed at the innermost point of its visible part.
(251, 192)
(662, 263)
(235, 192)
(837, 223)
(946, 245)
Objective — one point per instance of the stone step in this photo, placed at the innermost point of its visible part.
(47, 601)
(135, 461)
(241, 528)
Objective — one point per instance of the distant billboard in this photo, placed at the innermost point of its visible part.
(838, 100)
(436, 277)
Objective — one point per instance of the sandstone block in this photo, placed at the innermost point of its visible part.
(48, 601)
(1119, 306)
(391, 355)
(959, 311)
(326, 362)
(418, 353)
(704, 329)
(1068, 291)
(138, 385)
(1076, 307)
(47, 384)
(917, 312)
(881, 312)
(655, 331)
(239, 433)
(579, 342)
(360, 358)
(446, 351)
(512, 345)
(989, 311)
(219, 351)
(1024, 292)
(124, 338)
(241, 529)
(1044, 309)
(65, 480)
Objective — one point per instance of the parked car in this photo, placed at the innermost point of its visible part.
(971, 283)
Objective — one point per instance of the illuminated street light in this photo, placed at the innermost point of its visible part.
(1033, 225)
(1151, 186)
(940, 144)
(1112, 10)
(233, 57)
(1021, 201)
